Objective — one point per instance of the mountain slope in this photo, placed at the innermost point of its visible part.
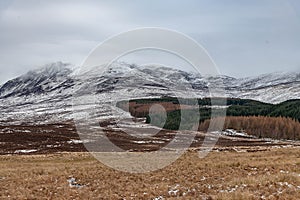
(52, 77)
(49, 93)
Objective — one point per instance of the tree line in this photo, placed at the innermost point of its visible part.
(261, 126)
(254, 117)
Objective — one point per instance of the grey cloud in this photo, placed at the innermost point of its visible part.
(243, 37)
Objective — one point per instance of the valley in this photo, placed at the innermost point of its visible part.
(51, 120)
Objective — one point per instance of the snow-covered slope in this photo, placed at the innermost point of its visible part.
(52, 92)
(271, 88)
(52, 77)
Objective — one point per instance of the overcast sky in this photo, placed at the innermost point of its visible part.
(244, 37)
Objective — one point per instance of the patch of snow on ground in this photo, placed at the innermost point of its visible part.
(173, 191)
(159, 198)
(234, 133)
(25, 151)
(79, 141)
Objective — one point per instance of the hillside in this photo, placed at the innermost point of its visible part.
(56, 91)
(280, 121)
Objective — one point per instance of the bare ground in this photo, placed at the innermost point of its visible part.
(237, 168)
(63, 137)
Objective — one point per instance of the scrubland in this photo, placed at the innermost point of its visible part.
(270, 174)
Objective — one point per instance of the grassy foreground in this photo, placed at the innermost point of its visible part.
(272, 174)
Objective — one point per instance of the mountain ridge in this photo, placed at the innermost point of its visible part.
(60, 68)
(50, 91)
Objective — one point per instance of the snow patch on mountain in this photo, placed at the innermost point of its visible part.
(49, 93)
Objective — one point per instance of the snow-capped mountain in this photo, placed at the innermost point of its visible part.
(52, 77)
(54, 91)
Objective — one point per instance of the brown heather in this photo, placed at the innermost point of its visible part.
(271, 174)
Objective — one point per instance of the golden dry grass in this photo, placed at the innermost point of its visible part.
(272, 174)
